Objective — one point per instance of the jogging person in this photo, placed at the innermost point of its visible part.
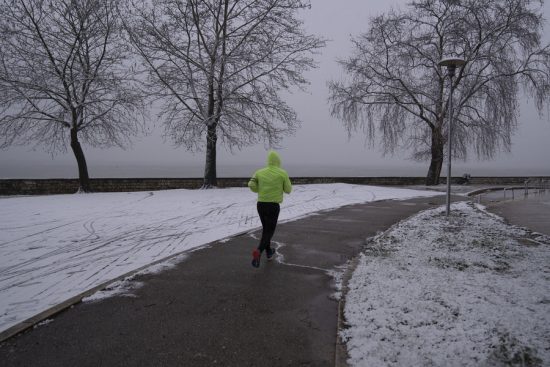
(269, 182)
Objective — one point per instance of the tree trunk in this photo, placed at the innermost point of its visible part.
(84, 180)
(434, 172)
(210, 177)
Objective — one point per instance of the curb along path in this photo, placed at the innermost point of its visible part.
(215, 309)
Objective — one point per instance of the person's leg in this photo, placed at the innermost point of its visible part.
(270, 223)
(268, 213)
(263, 213)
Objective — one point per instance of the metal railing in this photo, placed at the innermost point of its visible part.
(538, 185)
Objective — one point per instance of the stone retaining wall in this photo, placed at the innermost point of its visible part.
(68, 186)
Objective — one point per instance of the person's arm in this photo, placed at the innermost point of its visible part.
(287, 185)
(253, 183)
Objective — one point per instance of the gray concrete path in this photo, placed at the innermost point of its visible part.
(532, 211)
(215, 309)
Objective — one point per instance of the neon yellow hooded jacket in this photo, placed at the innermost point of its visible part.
(270, 182)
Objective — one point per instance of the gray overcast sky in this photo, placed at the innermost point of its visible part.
(320, 147)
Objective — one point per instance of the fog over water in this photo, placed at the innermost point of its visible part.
(128, 170)
(321, 146)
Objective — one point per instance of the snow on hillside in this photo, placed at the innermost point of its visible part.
(471, 291)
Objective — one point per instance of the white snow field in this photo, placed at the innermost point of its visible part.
(53, 248)
(471, 291)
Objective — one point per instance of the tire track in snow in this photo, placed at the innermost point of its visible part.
(37, 233)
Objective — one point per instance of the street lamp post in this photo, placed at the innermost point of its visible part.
(451, 64)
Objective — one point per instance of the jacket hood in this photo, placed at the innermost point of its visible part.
(273, 159)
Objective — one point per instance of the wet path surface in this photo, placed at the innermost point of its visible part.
(531, 211)
(215, 309)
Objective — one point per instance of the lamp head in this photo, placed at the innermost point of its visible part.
(451, 63)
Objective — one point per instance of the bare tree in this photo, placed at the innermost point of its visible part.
(218, 66)
(397, 87)
(63, 71)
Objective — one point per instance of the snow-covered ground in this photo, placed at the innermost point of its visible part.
(53, 248)
(471, 291)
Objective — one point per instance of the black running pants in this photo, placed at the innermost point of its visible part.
(269, 213)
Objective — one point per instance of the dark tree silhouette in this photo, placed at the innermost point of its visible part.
(218, 66)
(64, 75)
(395, 85)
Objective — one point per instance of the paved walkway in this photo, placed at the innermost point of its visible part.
(215, 309)
(532, 211)
(57, 248)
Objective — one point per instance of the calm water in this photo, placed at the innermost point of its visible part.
(69, 170)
